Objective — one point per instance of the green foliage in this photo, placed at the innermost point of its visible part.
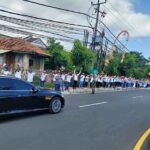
(134, 65)
(59, 57)
(82, 56)
(49, 85)
(113, 67)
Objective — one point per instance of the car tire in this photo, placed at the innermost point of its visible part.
(55, 105)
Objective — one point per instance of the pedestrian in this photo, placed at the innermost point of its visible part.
(86, 80)
(18, 73)
(30, 76)
(58, 81)
(68, 81)
(81, 81)
(43, 78)
(63, 76)
(5, 70)
(75, 78)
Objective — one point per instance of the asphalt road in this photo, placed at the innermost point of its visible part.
(105, 121)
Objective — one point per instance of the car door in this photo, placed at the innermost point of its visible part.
(27, 97)
(8, 101)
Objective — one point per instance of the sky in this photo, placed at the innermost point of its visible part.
(130, 15)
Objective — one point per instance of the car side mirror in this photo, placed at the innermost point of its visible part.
(34, 90)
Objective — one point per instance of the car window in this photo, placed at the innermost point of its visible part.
(6, 84)
(21, 85)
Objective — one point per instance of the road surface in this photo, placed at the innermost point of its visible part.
(105, 121)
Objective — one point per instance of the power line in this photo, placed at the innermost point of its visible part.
(28, 23)
(77, 12)
(54, 7)
(126, 23)
(18, 31)
(44, 19)
(114, 36)
(41, 31)
(71, 24)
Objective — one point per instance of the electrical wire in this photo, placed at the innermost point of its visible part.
(73, 12)
(126, 23)
(44, 19)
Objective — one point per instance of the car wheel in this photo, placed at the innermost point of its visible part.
(55, 105)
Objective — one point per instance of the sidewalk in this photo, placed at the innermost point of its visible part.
(97, 90)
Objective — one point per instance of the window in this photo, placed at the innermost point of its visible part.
(22, 85)
(6, 84)
(14, 84)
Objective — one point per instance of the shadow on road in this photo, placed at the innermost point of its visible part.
(13, 117)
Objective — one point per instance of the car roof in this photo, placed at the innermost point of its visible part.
(10, 77)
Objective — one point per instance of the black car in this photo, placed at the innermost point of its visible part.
(18, 96)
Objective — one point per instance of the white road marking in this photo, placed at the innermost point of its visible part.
(93, 104)
(137, 97)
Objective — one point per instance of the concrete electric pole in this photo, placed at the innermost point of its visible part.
(97, 11)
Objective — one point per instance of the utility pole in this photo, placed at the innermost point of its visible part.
(97, 40)
(96, 24)
(85, 38)
(97, 10)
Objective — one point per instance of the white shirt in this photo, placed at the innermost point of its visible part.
(43, 76)
(68, 78)
(82, 78)
(86, 79)
(91, 80)
(6, 73)
(75, 76)
(54, 77)
(63, 77)
(30, 76)
(18, 74)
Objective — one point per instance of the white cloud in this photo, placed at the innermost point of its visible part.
(120, 16)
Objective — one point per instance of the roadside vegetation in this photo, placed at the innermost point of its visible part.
(130, 64)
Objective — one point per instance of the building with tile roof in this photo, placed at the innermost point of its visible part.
(18, 51)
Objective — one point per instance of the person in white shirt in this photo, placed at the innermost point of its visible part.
(18, 73)
(43, 78)
(68, 81)
(30, 76)
(81, 81)
(63, 76)
(86, 80)
(75, 78)
(5, 70)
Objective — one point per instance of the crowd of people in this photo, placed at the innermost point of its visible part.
(24, 74)
(66, 80)
(80, 80)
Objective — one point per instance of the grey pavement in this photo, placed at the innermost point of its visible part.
(104, 121)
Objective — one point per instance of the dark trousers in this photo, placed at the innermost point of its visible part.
(57, 87)
(41, 83)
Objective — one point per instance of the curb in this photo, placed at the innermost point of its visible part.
(88, 91)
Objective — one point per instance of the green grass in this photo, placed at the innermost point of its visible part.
(36, 82)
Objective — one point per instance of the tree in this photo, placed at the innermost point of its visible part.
(82, 56)
(134, 64)
(114, 64)
(59, 57)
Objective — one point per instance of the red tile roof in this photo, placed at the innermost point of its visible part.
(20, 45)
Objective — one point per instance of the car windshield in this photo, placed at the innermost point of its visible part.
(90, 60)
